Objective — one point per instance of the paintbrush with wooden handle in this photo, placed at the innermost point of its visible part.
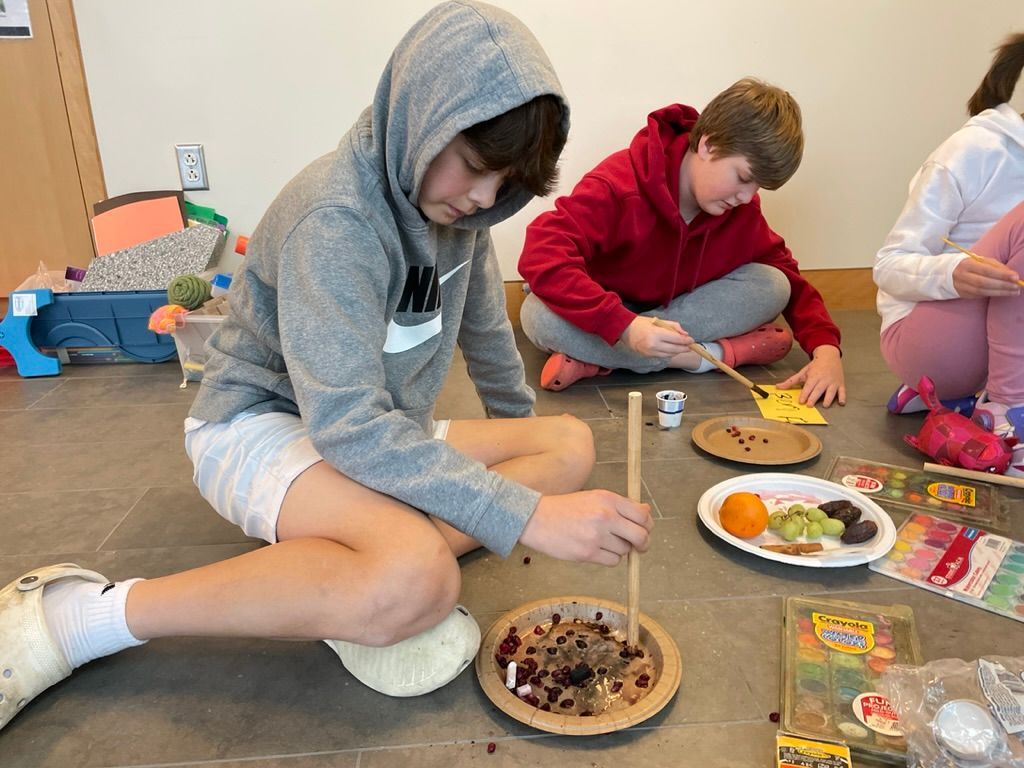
(699, 349)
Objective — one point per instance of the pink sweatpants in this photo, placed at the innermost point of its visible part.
(965, 345)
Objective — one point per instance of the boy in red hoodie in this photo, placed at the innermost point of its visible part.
(671, 230)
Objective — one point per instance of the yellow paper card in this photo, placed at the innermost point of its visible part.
(784, 405)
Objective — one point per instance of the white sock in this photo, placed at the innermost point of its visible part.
(703, 366)
(88, 619)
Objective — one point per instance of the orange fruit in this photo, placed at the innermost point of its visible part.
(743, 514)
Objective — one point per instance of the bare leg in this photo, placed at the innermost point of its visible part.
(352, 564)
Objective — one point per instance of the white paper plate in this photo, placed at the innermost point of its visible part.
(778, 490)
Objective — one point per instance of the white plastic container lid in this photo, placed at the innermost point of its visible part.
(968, 731)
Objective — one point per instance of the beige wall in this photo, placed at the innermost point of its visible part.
(266, 87)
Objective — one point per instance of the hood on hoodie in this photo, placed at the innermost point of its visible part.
(491, 64)
(1004, 120)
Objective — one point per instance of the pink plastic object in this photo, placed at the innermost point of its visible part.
(955, 440)
(167, 319)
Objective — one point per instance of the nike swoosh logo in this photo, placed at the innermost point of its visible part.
(402, 338)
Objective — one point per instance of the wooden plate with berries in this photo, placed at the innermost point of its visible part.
(573, 673)
(751, 440)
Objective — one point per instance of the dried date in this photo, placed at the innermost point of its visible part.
(859, 532)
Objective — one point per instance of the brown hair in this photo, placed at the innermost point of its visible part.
(997, 86)
(758, 121)
(526, 141)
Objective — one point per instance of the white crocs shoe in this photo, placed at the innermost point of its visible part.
(30, 661)
(419, 664)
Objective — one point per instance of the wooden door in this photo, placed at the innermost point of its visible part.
(50, 172)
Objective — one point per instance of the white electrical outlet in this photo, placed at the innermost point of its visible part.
(192, 166)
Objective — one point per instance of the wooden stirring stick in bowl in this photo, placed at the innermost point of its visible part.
(633, 423)
(699, 349)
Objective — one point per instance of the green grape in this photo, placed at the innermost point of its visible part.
(775, 520)
(814, 530)
(815, 515)
(795, 509)
(791, 530)
(832, 527)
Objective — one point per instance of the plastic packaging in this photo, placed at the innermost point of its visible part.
(960, 714)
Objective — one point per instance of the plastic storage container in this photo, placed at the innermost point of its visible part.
(190, 341)
(102, 327)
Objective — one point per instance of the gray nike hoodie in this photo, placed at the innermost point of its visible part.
(349, 304)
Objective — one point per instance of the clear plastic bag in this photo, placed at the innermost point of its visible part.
(46, 278)
(960, 714)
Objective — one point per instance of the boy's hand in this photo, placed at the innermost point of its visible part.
(589, 526)
(821, 378)
(977, 279)
(656, 338)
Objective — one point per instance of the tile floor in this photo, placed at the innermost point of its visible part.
(95, 473)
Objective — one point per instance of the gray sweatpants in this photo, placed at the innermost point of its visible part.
(747, 297)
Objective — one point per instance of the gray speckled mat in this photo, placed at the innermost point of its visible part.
(152, 265)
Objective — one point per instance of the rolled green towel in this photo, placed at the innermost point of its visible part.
(188, 291)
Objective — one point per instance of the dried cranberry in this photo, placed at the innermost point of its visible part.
(561, 640)
(552, 651)
(491, 746)
(742, 441)
(538, 630)
(546, 707)
(598, 615)
(555, 618)
(530, 650)
(774, 717)
(532, 700)
(566, 703)
(536, 681)
(747, 448)
(581, 643)
(616, 686)
(526, 560)
(502, 660)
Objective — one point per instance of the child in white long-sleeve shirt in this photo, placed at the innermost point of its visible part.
(945, 315)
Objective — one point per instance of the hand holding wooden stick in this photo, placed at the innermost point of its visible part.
(976, 257)
(633, 491)
(699, 349)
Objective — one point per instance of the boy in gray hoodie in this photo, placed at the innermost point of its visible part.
(314, 428)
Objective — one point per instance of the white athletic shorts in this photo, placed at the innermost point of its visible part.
(245, 467)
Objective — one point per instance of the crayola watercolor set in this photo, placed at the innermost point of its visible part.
(905, 489)
(834, 652)
(966, 563)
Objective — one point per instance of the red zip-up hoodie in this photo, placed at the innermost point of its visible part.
(619, 237)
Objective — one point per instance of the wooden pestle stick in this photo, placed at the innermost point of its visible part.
(699, 349)
(970, 474)
(635, 418)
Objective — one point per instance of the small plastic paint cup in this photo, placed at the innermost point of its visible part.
(967, 730)
(671, 404)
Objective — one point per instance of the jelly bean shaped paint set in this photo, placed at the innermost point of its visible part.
(959, 561)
